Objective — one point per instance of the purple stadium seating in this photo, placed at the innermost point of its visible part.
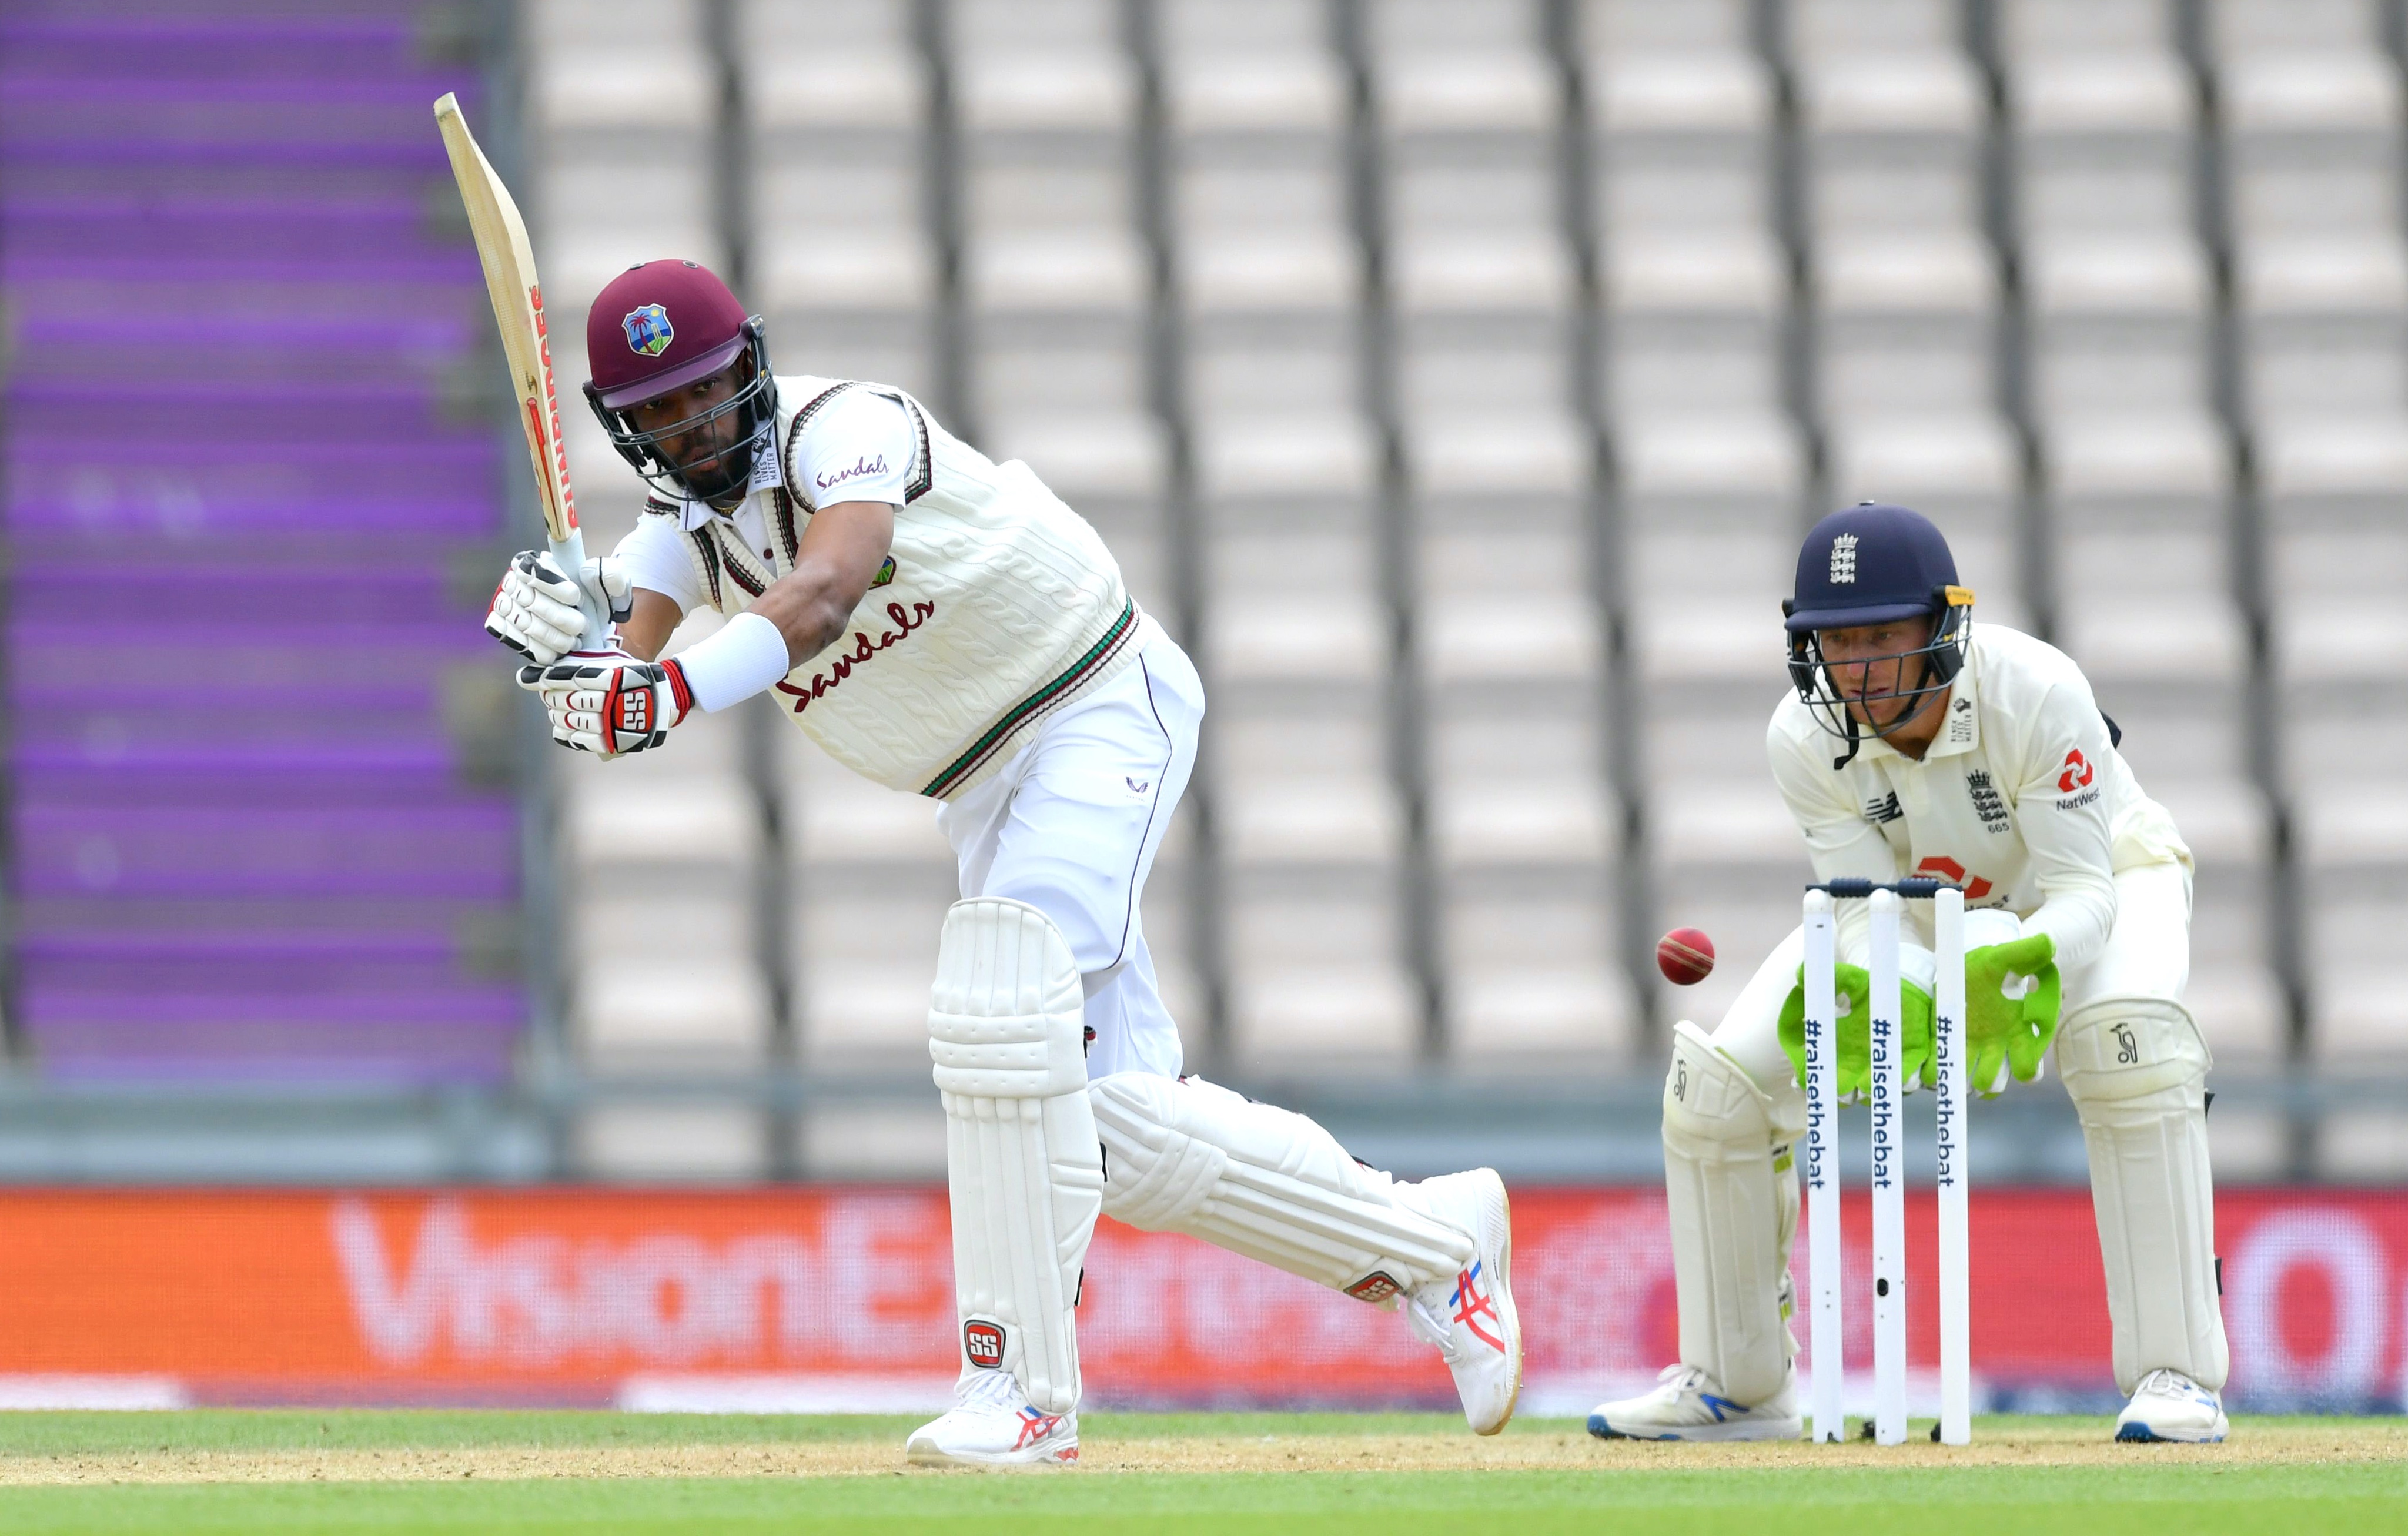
(246, 845)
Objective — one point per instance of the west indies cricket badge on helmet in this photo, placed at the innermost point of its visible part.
(648, 330)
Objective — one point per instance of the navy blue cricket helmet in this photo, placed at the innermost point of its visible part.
(1875, 564)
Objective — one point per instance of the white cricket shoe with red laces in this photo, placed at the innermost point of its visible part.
(1470, 1316)
(991, 1424)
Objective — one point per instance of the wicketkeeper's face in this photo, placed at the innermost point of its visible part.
(1874, 667)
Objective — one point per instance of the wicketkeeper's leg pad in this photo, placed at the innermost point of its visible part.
(1730, 1188)
(1185, 1155)
(2136, 1067)
(1007, 1030)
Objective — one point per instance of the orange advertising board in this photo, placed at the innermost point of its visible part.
(835, 1297)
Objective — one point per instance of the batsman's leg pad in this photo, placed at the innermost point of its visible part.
(1730, 1187)
(1185, 1155)
(1006, 1031)
(2136, 1067)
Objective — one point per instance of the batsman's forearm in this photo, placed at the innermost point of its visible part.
(810, 614)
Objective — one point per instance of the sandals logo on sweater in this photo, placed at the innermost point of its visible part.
(864, 649)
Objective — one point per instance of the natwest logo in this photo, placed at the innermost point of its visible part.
(2077, 773)
(1942, 868)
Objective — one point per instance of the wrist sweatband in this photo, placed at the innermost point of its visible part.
(740, 661)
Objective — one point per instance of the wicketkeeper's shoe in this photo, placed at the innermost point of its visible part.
(2171, 1406)
(1688, 1404)
(991, 1424)
(1470, 1317)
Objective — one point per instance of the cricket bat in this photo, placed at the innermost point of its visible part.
(508, 261)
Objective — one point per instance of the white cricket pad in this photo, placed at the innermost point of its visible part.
(2137, 1071)
(1007, 1030)
(1730, 1188)
(1185, 1155)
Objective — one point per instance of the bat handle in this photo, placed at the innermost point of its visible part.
(569, 555)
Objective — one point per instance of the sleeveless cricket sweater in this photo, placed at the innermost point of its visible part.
(998, 606)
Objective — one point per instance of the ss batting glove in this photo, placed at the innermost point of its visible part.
(1853, 1030)
(537, 609)
(608, 703)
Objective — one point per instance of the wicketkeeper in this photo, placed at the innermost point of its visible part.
(1914, 742)
(945, 624)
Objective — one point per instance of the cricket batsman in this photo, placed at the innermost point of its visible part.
(945, 624)
(1914, 742)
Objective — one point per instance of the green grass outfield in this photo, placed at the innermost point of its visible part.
(390, 1472)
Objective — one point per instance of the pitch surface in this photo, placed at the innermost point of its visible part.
(643, 1475)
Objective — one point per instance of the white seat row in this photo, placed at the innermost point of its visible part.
(1895, 303)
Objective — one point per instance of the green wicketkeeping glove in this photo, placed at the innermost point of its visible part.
(1855, 987)
(2007, 1030)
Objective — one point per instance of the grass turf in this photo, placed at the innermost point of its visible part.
(1697, 1490)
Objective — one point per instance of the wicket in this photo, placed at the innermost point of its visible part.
(1888, 1174)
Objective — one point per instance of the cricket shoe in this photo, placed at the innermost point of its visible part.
(992, 1423)
(1470, 1315)
(2171, 1406)
(1688, 1404)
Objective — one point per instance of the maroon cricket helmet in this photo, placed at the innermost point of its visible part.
(659, 325)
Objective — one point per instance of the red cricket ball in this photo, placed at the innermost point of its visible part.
(1685, 956)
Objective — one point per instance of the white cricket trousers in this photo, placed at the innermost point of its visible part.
(2147, 954)
(1070, 825)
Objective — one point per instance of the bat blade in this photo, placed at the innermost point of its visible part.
(510, 282)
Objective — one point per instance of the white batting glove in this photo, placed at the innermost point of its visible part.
(607, 703)
(536, 609)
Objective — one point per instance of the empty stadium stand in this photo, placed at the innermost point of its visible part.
(1454, 378)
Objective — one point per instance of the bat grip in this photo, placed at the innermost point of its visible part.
(569, 555)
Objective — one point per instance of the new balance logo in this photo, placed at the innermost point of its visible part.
(1843, 560)
(1884, 810)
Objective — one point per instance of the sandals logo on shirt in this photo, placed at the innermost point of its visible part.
(648, 330)
(860, 466)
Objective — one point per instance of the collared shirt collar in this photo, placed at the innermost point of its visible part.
(768, 474)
